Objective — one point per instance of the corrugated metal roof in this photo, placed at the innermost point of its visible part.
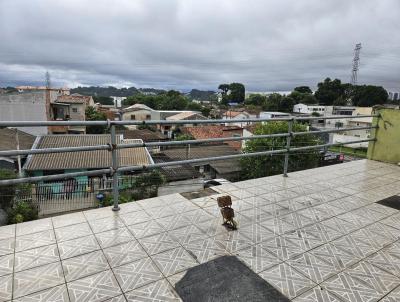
(222, 166)
(186, 116)
(145, 134)
(74, 99)
(84, 159)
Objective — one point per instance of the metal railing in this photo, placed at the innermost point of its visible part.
(113, 146)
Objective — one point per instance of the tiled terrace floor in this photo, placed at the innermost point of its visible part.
(316, 236)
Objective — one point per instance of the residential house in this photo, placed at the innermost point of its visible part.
(59, 91)
(59, 163)
(69, 108)
(229, 168)
(76, 193)
(14, 139)
(55, 104)
(216, 131)
(182, 116)
(353, 135)
(308, 109)
(236, 115)
(28, 106)
(110, 111)
(146, 135)
(140, 112)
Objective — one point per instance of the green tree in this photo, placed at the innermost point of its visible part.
(328, 91)
(303, 97)
(104, 100)
(369, 95)
(237, 92)
(309, 99)
(233, 92)
(256, 100)
(287, 104)
(93, 115)
(183, 137)
(206, 111)
(171, 100)
(194, 106)
(273, 102)
(303, 89)
(224, 88)
(267, 165)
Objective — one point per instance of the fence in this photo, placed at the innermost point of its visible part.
(70, 195)
(113, 146)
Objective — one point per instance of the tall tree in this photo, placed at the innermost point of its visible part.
(93, 115)
(104, 100)
(266, 165)
(238, 92)
(224, 88)
(328, 91)
(303, 89)
(273, 102)
(256, 100)
(171, 100)
(369, 95)
(233, 92)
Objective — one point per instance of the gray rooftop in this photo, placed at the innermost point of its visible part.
(317, 235)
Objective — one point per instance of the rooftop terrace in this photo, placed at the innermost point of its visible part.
(317, 235)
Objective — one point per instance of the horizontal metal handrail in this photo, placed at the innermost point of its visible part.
(165, 164)
(171, 122)
(171, 143)
(334, 130)
(54, 150)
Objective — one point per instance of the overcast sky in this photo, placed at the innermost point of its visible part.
(182, 44)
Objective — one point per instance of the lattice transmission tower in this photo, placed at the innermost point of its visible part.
(356, 64)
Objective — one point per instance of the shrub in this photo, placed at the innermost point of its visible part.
(7, 193)
(22, 211)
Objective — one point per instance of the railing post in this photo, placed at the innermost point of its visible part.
(115, 164)
(288, 139)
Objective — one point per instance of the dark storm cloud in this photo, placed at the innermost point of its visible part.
(268, 45)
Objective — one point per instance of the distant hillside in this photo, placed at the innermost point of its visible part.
(113, 91)
(200, 95)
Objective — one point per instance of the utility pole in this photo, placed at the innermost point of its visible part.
(19, 156)
(47, 97)
(48, 80)
(356, 64)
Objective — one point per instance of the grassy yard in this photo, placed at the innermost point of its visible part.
(359, 152)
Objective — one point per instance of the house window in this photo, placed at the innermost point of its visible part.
(148, 117)
(133, 117)
(74, 110)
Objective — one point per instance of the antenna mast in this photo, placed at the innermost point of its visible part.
(356, 64)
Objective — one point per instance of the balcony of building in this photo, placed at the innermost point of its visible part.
(318, 235)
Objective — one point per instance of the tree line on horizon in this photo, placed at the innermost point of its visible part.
(329, 93)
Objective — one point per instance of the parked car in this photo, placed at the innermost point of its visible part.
(330, 158)
(215, 182)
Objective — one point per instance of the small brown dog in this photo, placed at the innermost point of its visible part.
(225, 203)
